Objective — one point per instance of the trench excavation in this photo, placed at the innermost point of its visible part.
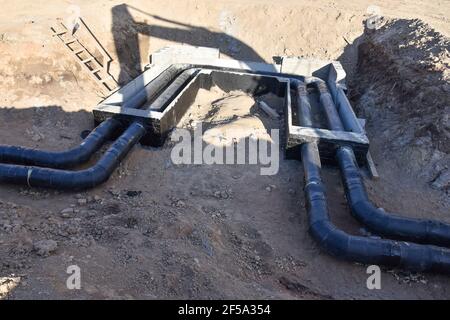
(148, 108)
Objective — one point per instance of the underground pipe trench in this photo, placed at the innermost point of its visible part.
(93, 142)
(155, 96)
(51, 177)
(165, 87)
(365, 250)
(377, 220)
(75, 180)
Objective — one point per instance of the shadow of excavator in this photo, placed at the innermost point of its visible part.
(126, 31)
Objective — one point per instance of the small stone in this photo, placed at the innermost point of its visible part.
(180, 204)
(92, 213)
(442, 182)
(97, 198)
(291, 191)
(82, 201)
(67, 212)
(268, 189)
(45, 247)
(71, 230)
(133, 193)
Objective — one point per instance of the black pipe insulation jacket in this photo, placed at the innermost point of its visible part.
(302, 102)
(365, 250)
(62, 159)
(172, 90)
(411, 256)
(326, 101)
(377, 220)
(154, 87)
(75, 180)
(92, 143)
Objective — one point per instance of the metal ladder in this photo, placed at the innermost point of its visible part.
(97, 71)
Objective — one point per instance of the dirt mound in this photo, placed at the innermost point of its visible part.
(403, 88)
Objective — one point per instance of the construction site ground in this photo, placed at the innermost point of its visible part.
(158, 230)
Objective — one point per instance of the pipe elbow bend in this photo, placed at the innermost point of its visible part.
(331, 239)
(90, 178)
(365, 212)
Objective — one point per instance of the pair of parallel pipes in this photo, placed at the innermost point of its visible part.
(45, 169)
(408, 255)
(38, 168)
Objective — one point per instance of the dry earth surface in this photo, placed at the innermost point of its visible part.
(159, 230)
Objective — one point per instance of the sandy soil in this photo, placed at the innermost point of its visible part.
(157, 230)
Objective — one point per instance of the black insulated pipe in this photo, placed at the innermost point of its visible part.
(390, 253)
(75, 180)
(377, 220)
(172, 90)
(152, 89)
(302, 102)
(92, 143)
(62, 159)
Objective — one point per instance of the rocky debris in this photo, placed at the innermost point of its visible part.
(133, 193)
(7, 284)
(5, 225)
(82, 202)
(301, 289)
(221, 194)
(289, 264)
(45, 247)
(34, 134)
(442, 182)
(176, 202)
(37, 194)
(179, 203)
(67, 212)
(91, 213)
(407, 277)
(39, 80)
